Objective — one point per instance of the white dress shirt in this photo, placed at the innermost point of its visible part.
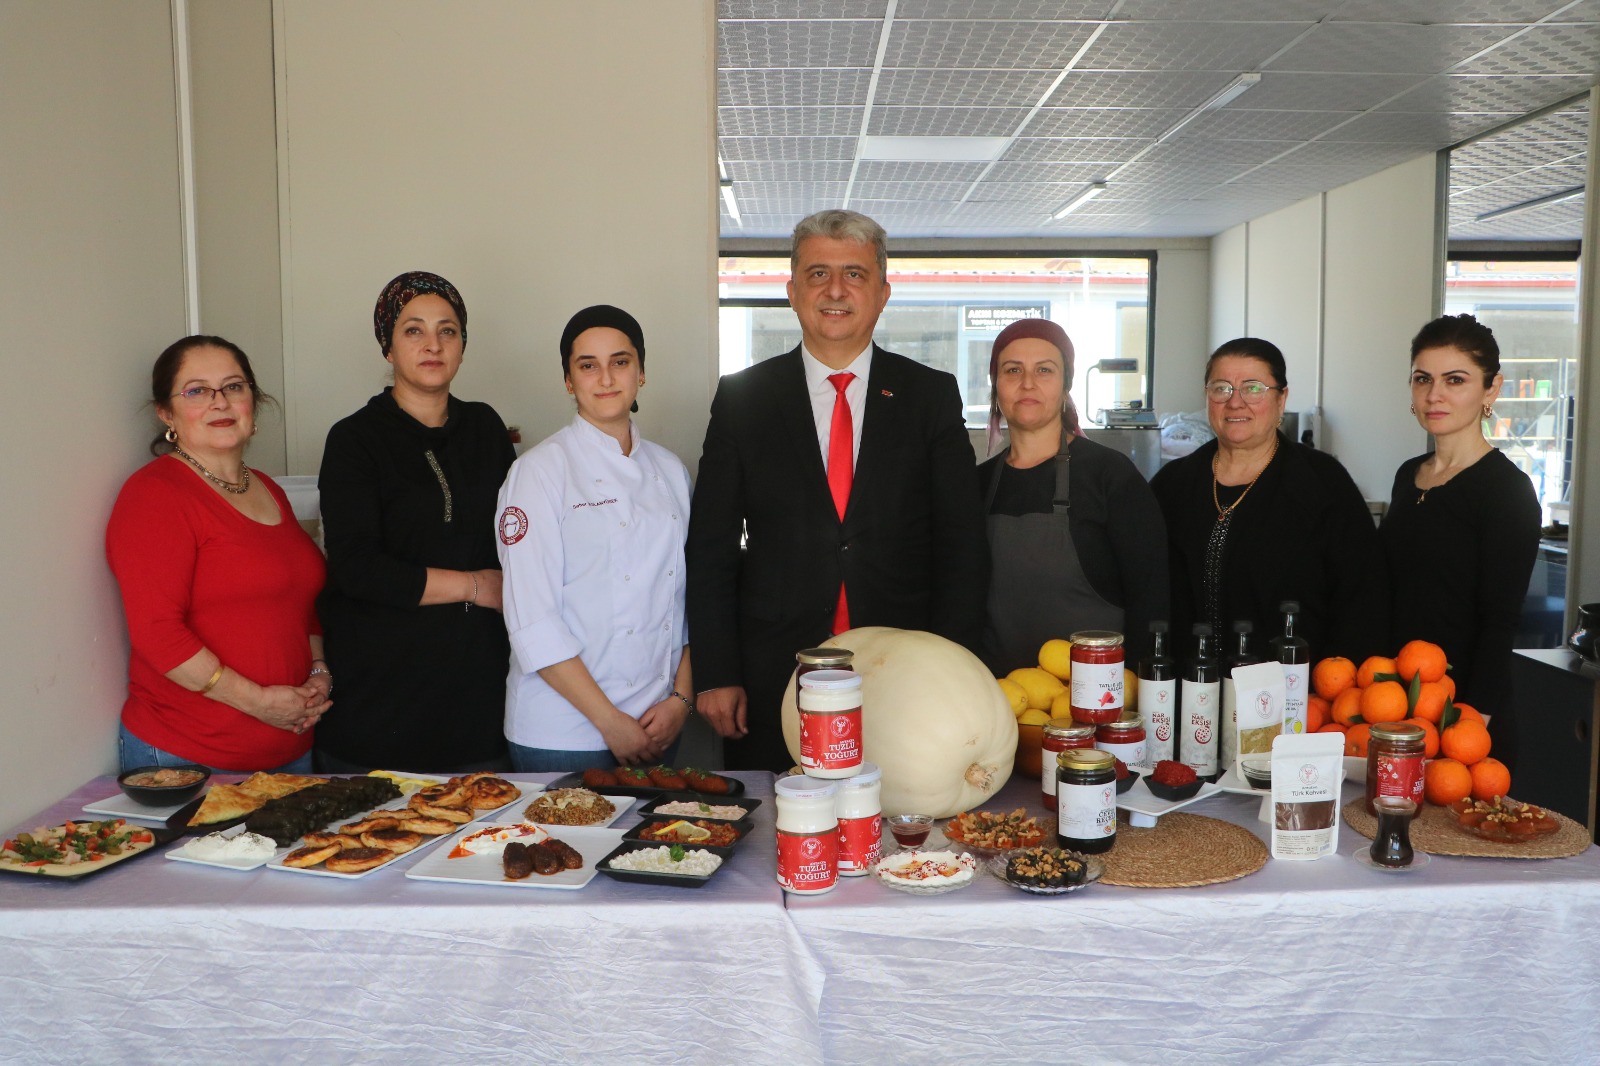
(823, 393)
(591, 542)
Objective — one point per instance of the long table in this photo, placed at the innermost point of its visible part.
(1468, 960)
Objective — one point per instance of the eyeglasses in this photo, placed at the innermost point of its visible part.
(202, 394)
(1251, 391)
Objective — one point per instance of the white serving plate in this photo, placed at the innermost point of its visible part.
(486, 868)
(515, 812)
(123, 805)
(177, 854)
(1142, 801)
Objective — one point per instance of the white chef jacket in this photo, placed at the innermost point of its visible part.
(591, 544)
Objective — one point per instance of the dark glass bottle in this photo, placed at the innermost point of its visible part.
(1295, 655)
(1158, 697)
(1201, 706)
(1242, 656)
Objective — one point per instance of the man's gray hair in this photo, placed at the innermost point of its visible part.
(840, 225)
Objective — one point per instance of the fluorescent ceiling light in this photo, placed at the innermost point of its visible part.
(1087, 193)
(1542, 201)
(1234, 89)
(934, 149)
(725, 183)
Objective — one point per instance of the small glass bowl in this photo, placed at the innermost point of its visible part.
(910, 830)
(1257, 770)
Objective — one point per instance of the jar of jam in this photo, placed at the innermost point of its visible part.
(808, 834)
(1059, 735)
(810, 659)
(1086, 800)
(1124, 738)
(830, 723)
(1394, 762)
(1096, 676)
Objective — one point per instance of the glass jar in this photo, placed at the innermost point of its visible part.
(830, 723)
(1086, 801)
(1394, 762)
(1059, 735)
(1124, 738)
(860, 812)
(1096, 676)
(810, 659)
(808, 834)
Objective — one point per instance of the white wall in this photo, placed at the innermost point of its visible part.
(542, 156)
(91, 289)
(1340, 281)
(1183, 311)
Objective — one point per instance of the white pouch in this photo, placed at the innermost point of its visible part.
(1307, 772)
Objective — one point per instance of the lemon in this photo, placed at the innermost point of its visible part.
(1061, 706)
(1033, 717)
(1130, 689)
(1015, 694)
(1056, 657)
(1040, 686)
(686, 831)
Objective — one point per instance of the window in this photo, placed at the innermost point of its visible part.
(946, 312)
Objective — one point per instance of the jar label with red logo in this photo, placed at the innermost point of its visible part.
(1131, 754)
(1096, 691)
(830, 740)
(1200, 709)
(1399, 775)
(808, 862)
(1158, 703)
(1086, 812)
(860, 844)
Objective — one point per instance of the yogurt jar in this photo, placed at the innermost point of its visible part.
(808, 835)
(860, 812)
(830, 723)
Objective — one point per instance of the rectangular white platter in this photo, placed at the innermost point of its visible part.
(123, 805)
(517, 812)
(487, 869)
(177, 854)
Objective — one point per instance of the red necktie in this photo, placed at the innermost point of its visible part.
(841, 471)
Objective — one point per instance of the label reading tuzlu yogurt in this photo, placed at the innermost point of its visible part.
(808, 862)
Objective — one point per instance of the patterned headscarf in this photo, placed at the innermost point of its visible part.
(401, 291)
(1041, 329)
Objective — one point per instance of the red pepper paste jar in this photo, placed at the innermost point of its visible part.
(1096, 676)
(1058, 735)
(1394, 762)
(1124, 738)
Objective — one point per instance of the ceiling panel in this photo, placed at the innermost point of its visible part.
(789, 121)
(793, 88)
(790, 170)
(1105, 122)
(1311, 91)
(1474, 92)
(945, 121)
(1152, 89)
(1213, 150)
(1189, 45)
(1425, 129)
(1232, 125)
(1387, 48)
(796, 44)
(984, 45)
(1226, 10)
(801, 9)
(1085, 149)
(1500, 11)
(894, 170)
(1000, 10)
(1543, 50)
(1015, 171)
(769, 148)
(963, 88)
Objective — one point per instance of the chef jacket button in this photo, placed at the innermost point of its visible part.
(674, 518)
(669, 573)
(627, 577)
(666, 625)
(630, 632)
(624, 525)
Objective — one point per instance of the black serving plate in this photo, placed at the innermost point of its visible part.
(163, 796)
(725, 850)
(1125, 783)
(575, 780)
(748, 803)
(646, 878)
(162, 837)
(1172, 793)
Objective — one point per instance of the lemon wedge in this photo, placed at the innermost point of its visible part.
(685, 831)
(406, 784)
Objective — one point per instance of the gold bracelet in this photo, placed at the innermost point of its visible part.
(214, 679)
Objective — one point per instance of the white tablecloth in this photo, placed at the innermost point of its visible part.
(167, 961)
(1467, 960)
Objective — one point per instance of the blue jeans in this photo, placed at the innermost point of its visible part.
(133, 752)
(526, 760)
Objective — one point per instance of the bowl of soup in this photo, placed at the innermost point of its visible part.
(163, 786)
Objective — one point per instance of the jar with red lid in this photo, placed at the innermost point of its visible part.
(1096, 676)
(1058, 735)
(1394, 762)
(1124, 738)
(809, 659)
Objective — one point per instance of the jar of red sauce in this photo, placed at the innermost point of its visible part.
(1124, 738)
(1394, 762)
(1058, 735)
(810, 659)
(1096, 676)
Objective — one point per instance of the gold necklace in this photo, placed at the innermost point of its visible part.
(1224, 512)
(238, 488)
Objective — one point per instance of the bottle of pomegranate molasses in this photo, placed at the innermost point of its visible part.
(1158, 697)
(1200, 707)
(1295, 655)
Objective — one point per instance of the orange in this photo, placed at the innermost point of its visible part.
(1468, 713)
(1430, 737)
(1449, 684)
(1355, 741)
(1332, 676)
(1346, 707)
(1332, 727)
(1466, 742)
(1444, 781)
(1430, 702)
(1384, 701)
(1375, 664)
(1419, 656)
(1490, 778)
(1318, 713)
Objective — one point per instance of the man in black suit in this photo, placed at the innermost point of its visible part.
(846, 472)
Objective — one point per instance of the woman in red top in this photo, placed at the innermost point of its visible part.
(218, 583)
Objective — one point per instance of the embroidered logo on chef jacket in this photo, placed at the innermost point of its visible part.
(513, 525)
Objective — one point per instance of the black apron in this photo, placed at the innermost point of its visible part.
(1037, 587)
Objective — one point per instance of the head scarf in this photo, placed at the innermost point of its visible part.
(401, 291)
(1041, 329)
(596, 317)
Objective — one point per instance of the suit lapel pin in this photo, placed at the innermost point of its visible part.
(886, 392)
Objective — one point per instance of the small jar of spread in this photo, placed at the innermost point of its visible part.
(1059, 735)
(1096, 676)
(1086, 801)
(808, 834)
(1124, 738)
(860, 813)
(1394, 762)
(810, 659)
(830, 723)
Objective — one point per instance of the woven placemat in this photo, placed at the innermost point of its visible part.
(1437, 832)
(1182, 851)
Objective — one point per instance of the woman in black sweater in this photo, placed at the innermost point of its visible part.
(411, 612)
